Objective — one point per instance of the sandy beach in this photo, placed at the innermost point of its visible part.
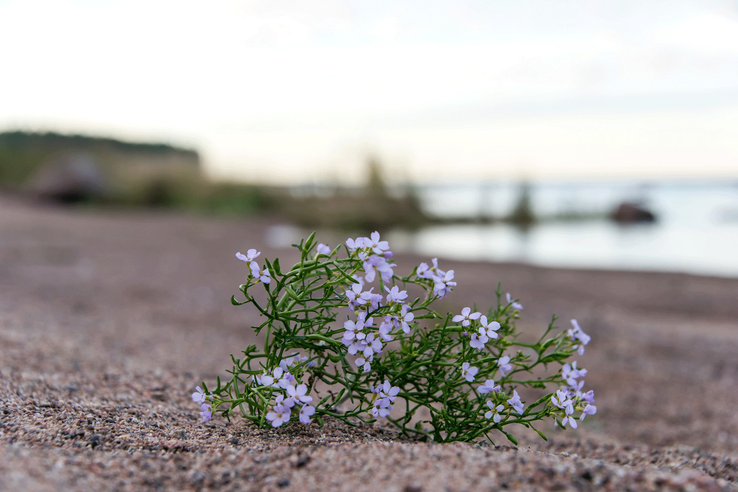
(108, 320)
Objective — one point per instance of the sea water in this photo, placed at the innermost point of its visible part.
(696, 230)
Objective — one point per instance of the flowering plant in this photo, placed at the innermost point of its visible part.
(347, 337)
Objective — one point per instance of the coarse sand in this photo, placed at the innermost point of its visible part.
(109, 320)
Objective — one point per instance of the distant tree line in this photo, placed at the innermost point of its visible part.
(23, 152)
(20, 138)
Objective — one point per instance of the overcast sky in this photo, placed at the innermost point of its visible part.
(302, 90)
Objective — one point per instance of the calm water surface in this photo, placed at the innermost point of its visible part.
(697, 230)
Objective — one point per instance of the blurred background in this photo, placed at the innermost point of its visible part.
(594, 134)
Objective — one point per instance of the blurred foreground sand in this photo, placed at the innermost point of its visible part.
(107, 322)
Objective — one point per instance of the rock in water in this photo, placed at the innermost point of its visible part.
(628, 213)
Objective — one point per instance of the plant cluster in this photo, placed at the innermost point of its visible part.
(345, 336)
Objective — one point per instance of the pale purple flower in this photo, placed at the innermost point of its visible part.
(365, 363)
(514, 304)
(478, 340)
(381, 408)
(206, 412)
(516, 403)
(299, 393)
(200, 396)
(571, 373)
(384, 330)
(489, 387)
(589, 396)
(249, 257)
(285, 364)
(385, 270)
(406, 318)
(323, 249)
(262, 275)
(384, 396)
(503, 365)
(395, 295)
(379, 247)
(490, 328)
(466, 317)
(279, 415)
(494, 412)
(569, 418)
(424, 271)
(374, 264)
(287, 402)
(305, 412)
(265, 379)
(576, 389)
(373, 345)
(375, 300)
(588, 410)
(443, 284)
(354, 244)
(357, 298)
(354, 329)
(468, 371)
(357, 345)
(354, 295)
(281, 378)
(577, 334)
(394, 319)
(386, 390)
(561, 399)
